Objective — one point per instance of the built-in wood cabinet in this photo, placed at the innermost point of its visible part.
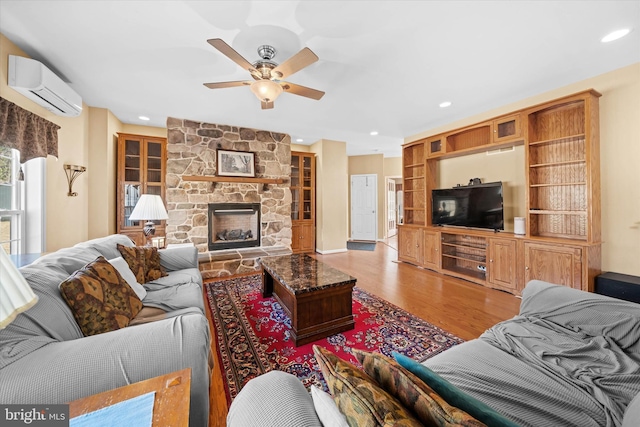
(436, 145)
(564, 169)
(410, 245)
(502, 266)
(465, 256)
(141, 169)
(506, 128)
(303, 202)
(431, 249)
(414, 184)
(562, 196)
(560, 264)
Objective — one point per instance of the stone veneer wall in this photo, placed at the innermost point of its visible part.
(191, 150)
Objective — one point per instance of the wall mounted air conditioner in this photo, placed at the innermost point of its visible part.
(38, 83)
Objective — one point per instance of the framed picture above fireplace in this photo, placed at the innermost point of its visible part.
(236, 163)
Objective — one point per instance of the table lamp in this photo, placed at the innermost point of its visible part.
(150, 207)
(15, 294)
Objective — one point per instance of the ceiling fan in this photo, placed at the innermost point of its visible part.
(268, 75)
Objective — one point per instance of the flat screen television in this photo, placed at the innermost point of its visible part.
(477, 206)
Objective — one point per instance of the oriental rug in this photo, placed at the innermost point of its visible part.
(252, 334)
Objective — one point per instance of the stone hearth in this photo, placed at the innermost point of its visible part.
(191, 150)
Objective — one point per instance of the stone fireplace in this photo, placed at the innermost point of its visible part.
(191, 152)
(234, 225)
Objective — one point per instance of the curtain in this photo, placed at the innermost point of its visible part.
(28, 133)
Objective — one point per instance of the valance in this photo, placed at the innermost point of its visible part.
(28, 133)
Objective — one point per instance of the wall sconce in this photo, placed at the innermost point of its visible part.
(72, 172)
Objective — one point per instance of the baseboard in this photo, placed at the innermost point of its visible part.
(332, 251)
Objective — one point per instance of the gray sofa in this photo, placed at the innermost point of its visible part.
(569, 358)
(45, 359)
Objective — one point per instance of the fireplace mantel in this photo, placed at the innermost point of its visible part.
(234, 179)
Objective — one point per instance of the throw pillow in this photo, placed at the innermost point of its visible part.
(144, 261)
(100, 299)
(414, 394)
(453, 395)
(359, 398)
(123, 268)
(326, 408)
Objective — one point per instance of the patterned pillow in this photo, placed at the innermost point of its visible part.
(100, 299)
(414, 394)
(359, 398)
(144, 262)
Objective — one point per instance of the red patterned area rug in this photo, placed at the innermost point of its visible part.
(253, 334)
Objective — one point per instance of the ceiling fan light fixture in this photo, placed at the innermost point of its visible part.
(266, 90)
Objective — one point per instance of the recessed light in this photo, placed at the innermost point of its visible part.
(144, 118)
(299, 140)
(615, 35)
(373, 133)
(445, 104)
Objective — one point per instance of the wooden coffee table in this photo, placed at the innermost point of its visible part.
(316, 297)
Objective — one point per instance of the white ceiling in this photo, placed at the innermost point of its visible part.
(384, 65)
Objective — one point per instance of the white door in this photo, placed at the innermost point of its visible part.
(364, 207)
(391, 207)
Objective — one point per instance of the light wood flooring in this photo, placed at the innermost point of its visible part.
(462, 308)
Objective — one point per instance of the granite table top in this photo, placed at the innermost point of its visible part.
(301, 273)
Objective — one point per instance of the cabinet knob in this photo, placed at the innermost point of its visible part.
(490, 260)
(437, 249)
(526, 268)
(417, 245)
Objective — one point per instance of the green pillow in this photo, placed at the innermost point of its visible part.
(453, 395)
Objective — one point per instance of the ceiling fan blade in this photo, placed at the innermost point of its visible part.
(221, 85)
(230, 52)
(297, 62)
(302, 90)
(267, 105)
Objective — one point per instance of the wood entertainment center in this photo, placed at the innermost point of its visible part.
(562, 243)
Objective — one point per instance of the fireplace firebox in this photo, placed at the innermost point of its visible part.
(234, 225)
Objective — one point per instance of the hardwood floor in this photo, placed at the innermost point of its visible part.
(462, 308)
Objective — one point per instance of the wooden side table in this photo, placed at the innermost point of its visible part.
(170, 405)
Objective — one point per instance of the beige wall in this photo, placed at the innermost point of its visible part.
(505, 166)
(89, 140)
(298, 147)
(372, 164)
(619, 153)
(332, 199)
(66, 217)
(393, 166)
(383, 168)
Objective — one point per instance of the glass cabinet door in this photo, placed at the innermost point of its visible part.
(132, 176)
(307, 204)
(295, 187)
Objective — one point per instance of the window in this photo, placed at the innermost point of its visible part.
(21, 203)
(11, 213)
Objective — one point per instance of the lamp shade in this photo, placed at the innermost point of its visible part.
(15, 294)
(150, 207)
(266, 90)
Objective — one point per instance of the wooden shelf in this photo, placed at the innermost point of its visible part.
(545, 212)
(567, 162)
(480, 259)
(562, 139)
(466, 272)
(558, 184)
(414, 165)
(234, 179)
